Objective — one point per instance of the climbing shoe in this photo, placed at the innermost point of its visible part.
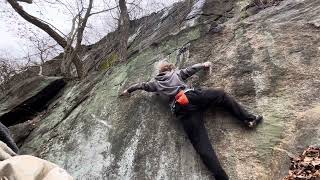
(254, 122)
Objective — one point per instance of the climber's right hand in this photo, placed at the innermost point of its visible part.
(125, 93)
(207, 64)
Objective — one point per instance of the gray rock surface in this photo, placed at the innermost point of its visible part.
(269, 61)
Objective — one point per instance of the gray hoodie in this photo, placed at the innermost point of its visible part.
(168, 83)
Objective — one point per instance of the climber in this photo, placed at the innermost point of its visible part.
(189, 105)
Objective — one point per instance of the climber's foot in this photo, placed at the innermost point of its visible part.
(251, 123)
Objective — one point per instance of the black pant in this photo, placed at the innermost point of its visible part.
(191, 117)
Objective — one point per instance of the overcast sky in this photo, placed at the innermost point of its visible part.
(13, 28)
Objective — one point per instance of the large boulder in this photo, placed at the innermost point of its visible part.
(269, 61)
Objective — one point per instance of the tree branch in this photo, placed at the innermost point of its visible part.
(83, 24)
(105, 10)
(135, 5)
(35, 21)
(26, 1)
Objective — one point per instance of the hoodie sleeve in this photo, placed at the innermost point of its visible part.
(146, 86)
(189, 71)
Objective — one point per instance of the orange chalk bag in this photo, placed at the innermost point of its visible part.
(181, 98)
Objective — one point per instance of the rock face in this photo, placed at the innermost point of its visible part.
(269, 61)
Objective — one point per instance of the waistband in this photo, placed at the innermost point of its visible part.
(188, 89)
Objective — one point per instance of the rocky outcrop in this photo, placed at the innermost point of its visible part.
(268, 61)
(23, 101)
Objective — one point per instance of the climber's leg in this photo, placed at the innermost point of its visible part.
(194, 127)
(218, 97)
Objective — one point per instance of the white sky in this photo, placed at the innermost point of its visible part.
(13, 29)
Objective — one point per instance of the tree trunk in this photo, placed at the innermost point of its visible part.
(81, 71)
(64, 66)
(79, 67)
(123, 25)
(69, 58)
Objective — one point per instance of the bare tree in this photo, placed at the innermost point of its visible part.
(7, 70)
(9, 66)
(123, 26)
(71, 54)
(71, 43)
(44, 49)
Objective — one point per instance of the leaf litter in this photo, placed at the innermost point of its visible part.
(306, 166)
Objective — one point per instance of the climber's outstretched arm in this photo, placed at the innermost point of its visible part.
(189, 71)
(146, 86)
